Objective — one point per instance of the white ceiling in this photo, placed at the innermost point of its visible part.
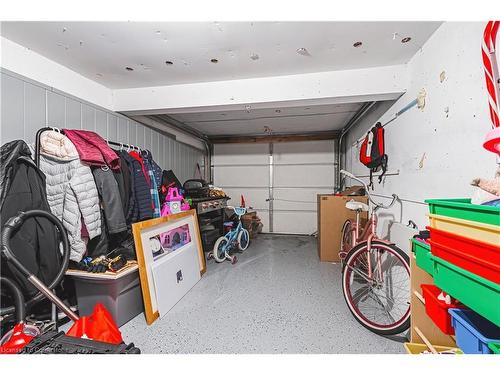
(297, 119)
(101, 50)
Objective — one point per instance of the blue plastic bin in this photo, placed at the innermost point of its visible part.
(473, 333)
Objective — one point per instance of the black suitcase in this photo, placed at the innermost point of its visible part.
(58, 343)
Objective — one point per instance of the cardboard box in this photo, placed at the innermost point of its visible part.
(354, 190)
(252, 223)
(332, 215)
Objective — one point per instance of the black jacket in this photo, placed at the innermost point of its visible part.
(113, 225)
(22, 188)
(122, 178)
(124, 181)
(142, 206)
(130, 208)
(111, 202)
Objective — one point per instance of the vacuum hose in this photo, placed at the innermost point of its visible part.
(18, 298)
(13, 224)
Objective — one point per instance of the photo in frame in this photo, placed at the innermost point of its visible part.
(170, 258)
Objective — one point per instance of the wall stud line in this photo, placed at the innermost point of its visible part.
(271, 184)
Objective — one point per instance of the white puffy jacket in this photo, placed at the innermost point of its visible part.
(71, 190)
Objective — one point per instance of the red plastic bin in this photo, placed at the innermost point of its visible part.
(437, 309)
(480, 258)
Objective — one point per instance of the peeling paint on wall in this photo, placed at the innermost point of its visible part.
(442, 76)
(421, 163)
(421, 99)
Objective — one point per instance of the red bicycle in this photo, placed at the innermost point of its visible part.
(375, 272)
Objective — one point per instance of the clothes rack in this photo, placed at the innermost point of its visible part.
(54, 312)
(46, 128)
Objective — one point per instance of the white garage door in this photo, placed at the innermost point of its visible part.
(280, 181)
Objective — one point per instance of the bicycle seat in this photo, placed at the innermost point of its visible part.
(357, 206)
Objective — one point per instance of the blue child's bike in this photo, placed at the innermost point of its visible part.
(238, 236)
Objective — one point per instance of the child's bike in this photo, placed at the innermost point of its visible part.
(238, 236)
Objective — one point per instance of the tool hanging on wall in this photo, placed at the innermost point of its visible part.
(492, 141)
(419, 102)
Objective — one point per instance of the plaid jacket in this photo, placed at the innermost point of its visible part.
(155, 196)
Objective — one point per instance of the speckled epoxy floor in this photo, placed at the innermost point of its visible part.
(278, 298)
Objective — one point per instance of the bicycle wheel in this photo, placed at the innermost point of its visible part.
(346, 240)
(220, 249)
(381, 305)
(243, 239)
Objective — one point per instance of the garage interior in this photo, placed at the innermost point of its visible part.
(270, 113)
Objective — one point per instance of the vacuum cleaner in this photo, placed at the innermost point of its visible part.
(93, 334)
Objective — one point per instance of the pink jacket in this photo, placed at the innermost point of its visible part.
(93, 149)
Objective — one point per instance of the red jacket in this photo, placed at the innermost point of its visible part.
(93, 149)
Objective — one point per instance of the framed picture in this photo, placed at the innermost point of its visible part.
(159, 242)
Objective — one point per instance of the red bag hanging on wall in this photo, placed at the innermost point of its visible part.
(372, 153)
(366, 149)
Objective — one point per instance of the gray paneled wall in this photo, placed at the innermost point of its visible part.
(26, 106)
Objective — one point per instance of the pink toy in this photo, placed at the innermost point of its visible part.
(175, 237)
(174, 203)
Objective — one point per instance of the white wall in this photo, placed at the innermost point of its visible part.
(26, 106)
(448, 133)
(25, 62)
(334, 87)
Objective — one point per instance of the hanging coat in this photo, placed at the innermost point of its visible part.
(92, 148)
(110, 199)
(71, 190)
(155, 168)
(130, 207)
(142, 195)
(36, 243)
(153, 188)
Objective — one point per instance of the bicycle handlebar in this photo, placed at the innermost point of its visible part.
(378, 205)
(240, 211)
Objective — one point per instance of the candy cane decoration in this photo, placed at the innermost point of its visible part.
(491, 69)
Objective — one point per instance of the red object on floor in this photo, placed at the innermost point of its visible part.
(480, 258)
(98, 326)
(437, 309)
(17, 341)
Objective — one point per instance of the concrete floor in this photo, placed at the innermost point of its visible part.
(278, 298)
